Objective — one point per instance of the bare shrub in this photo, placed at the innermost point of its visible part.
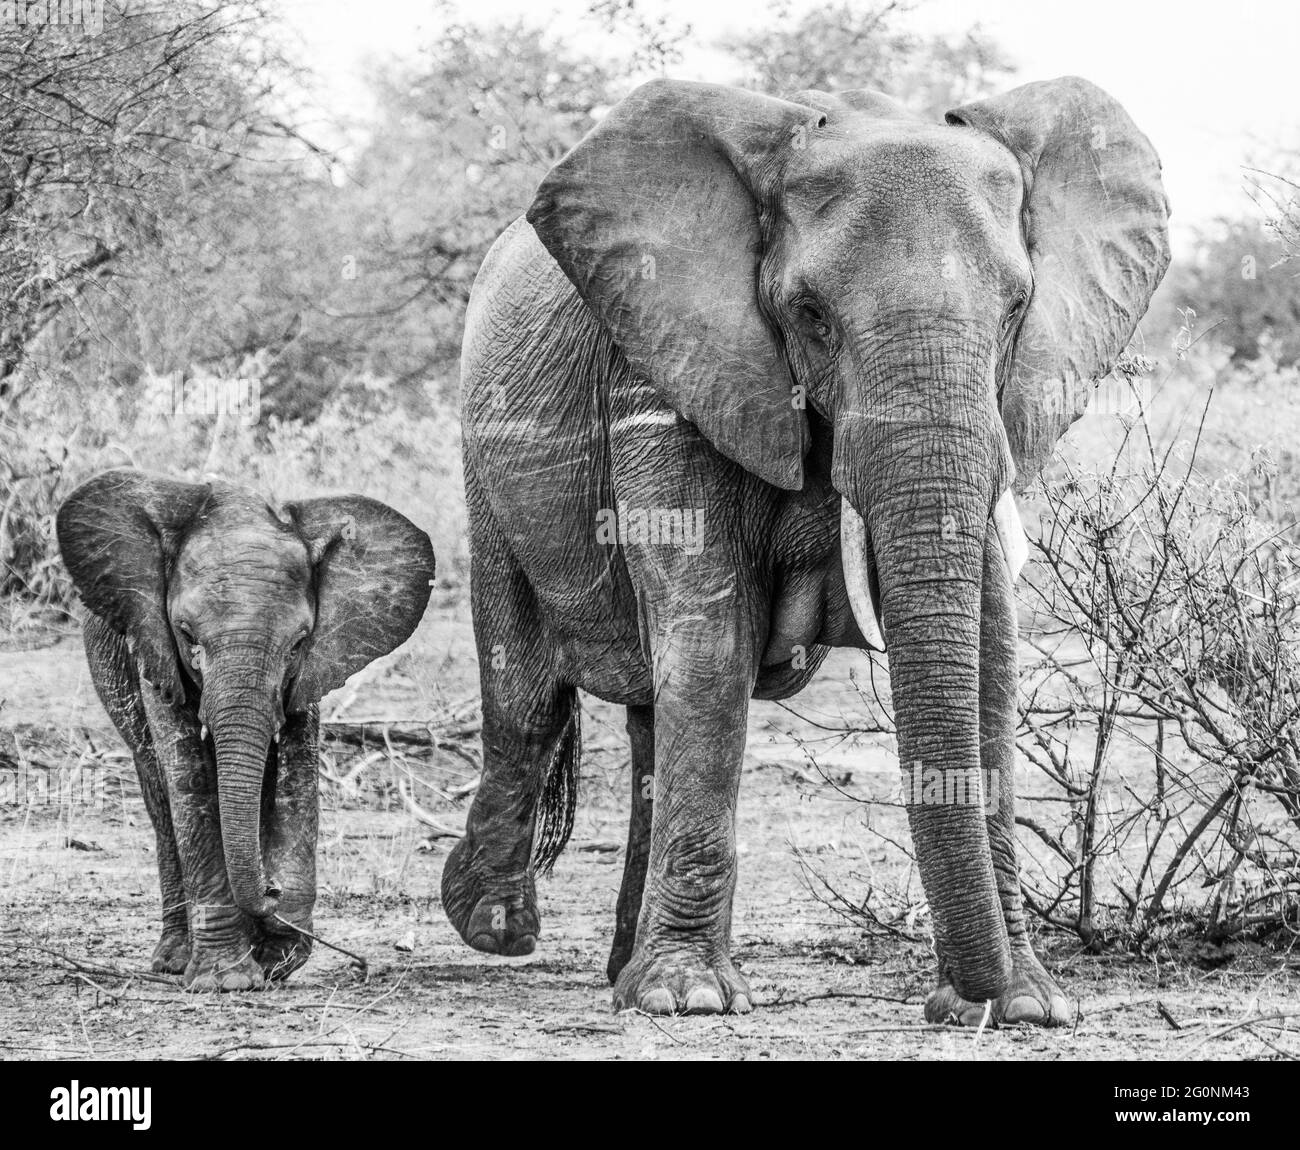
(1161, 712)
(1158, 792)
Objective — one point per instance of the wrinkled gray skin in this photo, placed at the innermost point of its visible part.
(217, 624)
(753, 307)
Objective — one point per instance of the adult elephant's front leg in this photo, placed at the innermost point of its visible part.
(704, 667)
(290, 818)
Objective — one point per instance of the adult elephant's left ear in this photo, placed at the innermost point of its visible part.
(655, 218)
(1096, 223)
(373, 573)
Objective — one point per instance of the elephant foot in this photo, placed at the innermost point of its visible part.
(223, 970)
(681, 984)
(280, 954)
(172, 954)
(1033, 998)
(498, 927)
(495, 916)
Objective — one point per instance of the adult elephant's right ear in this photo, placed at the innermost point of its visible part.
(118, 532)
(654, 217)
(1096, 225)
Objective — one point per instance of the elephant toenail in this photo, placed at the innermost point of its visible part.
(486, 942)
(1023, 1008)
(657, 1001)
(704, 1000)
(520, 946)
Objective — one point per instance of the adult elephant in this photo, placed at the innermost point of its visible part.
(217, 624)
(753, 379)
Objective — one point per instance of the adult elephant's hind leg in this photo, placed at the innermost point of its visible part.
(530, 767)
(1032, 997)
(704, 667)
(523, 811)
(641, 735)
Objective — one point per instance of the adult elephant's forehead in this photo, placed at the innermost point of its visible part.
(863, 155)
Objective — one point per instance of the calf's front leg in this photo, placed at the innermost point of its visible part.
(290, 822)
(221, 940)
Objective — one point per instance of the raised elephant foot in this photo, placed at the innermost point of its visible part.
(223, 970)
(681, 984)
(500, 927)
(495, 916)
(1033, 998)
(172, 954)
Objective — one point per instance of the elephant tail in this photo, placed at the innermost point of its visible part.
(559, 798)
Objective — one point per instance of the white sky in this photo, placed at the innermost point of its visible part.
(1214, 83)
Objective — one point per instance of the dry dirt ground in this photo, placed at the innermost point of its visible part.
(79, 907)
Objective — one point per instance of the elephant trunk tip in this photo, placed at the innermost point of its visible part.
(986, 982)
(265, 905)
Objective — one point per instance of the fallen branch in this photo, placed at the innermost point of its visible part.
(410, 732)
(357, 960)
(902, 1000)
(291, 1046)
(1243, 1024)
(82, 967)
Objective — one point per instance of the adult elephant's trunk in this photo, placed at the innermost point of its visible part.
(922, 459)
(240, 707)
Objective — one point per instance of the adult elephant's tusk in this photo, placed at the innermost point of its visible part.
(853, 554)
(1011, 534)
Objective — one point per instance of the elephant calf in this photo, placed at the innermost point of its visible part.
(217, 624)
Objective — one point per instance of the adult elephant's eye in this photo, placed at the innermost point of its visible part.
(1014, 312)
(813, 316)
